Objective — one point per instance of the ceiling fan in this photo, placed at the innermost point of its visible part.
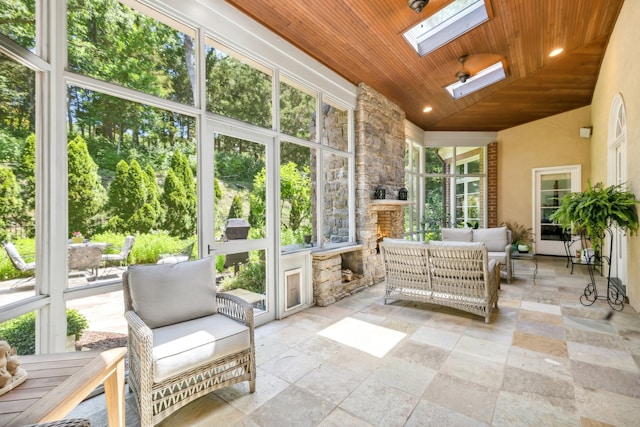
(472, 64)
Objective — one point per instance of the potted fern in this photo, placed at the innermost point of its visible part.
(596, 209)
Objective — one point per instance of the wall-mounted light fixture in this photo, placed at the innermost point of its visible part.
(418, 5)
(585, 132)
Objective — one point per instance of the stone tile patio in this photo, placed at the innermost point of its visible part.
(543, 360)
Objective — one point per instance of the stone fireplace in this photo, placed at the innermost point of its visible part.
(379, 149)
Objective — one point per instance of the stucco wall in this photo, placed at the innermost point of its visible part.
(619, 74)
(553, 141)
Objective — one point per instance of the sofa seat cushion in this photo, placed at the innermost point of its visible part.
(500, 257)
(494, 238)
(182, 346)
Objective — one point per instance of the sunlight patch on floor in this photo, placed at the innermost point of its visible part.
(363, 336)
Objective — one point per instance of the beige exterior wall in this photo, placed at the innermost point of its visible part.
(553, 141)
(619, 75)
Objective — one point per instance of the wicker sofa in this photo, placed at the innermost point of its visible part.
(496, 239)
(452, 274)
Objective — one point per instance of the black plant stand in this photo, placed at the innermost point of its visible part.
(615, 295)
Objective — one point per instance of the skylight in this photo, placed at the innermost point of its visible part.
(447, 24)
(482, 79)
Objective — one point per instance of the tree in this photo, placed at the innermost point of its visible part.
(235, 211)
(295, 196)
(10, 201)
(178, 221)
(86, 194)
(27, 175)
(153, 195)
(180, 166)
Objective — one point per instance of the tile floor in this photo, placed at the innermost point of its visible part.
(544, 360)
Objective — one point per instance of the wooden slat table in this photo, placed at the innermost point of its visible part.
(57, 383)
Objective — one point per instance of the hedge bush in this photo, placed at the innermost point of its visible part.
(21, 331)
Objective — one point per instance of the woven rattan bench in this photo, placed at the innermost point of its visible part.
(452, 274)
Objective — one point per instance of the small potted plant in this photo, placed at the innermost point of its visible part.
(77, 237)
(521, 236)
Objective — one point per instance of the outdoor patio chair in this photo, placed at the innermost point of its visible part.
(122, 257)
(185, 340)
(19, 263)
(185, 254)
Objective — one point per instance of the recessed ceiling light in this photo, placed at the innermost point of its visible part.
(556, 52)
(427, 109)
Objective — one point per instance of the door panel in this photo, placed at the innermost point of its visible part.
(550, 186)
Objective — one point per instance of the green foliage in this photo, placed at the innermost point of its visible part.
(295, 196)
(232, 166)
(10, 201)
(235, 211)
(86, 194)
(178, 220)
(597, 208)
(20, 332)
(251, 277)
(217, 189)
(10, 145)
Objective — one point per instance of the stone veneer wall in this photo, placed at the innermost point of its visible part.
(380, 150)
(379, 161)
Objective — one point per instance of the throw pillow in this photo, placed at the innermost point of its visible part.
(165, 294)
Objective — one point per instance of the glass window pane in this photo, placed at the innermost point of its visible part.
(240, 182)
(297, 222)
(336, 127)
(470, 160)
(112, 42)
(244, 274)
(17, 181)
(297, 111)
(435, 216)
(336, 199)
(20, 331)
(131, 173)
(100, 322)
(434, 160)
(237, 87)
(18, 22)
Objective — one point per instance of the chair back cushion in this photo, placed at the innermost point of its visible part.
(15, 257)
(164, 294)
(457, 234)
(494, 238)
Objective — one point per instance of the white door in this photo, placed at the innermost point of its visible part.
(550, 185)
(617, 137)
(245, 254)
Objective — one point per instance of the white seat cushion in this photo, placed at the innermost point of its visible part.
(500, 257)
(180, 347)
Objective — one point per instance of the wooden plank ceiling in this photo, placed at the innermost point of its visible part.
(362, 41)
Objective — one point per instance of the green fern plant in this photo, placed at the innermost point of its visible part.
(597, 208)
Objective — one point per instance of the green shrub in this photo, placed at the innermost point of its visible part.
(21, 331)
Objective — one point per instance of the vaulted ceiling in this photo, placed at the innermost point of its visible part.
(362, 41)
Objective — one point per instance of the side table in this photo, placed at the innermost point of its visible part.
(58, 382)
(525, 256)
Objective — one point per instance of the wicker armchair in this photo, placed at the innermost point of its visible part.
(184, 339)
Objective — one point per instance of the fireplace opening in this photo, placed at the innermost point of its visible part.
(385, 219)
